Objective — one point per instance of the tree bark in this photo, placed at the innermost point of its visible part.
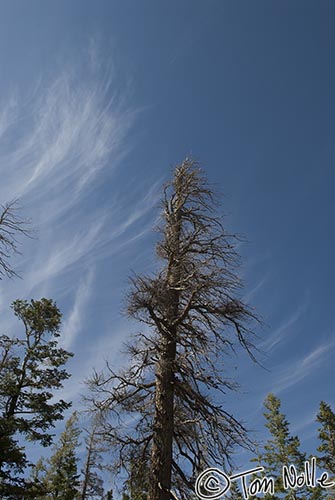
(162, 449)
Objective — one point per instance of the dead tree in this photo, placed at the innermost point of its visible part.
(168, 404)
(11, 225)
(92, 483)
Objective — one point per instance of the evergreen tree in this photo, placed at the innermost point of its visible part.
(37, 483)
(326, 417)
(137, 484)
(31, 368)
(62, 478)
(282, 449)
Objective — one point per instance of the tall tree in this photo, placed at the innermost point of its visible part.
(31, 368)
(92, 485)
(282, 449)
(11, 225)
(168, 403)
(137, 484)
(62, 478)
(326, 417)
(37, 482)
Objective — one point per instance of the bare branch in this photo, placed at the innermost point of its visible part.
(170, 399)
(11, 226)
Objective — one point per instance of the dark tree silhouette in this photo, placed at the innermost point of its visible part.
(326, 417)
(168, 404)
(31, 369)
(92, 485)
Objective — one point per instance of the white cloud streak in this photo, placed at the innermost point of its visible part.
(255, 290)
(73, 323)
(282, 332)
(302, 368)
(60, 146)
(66, 136)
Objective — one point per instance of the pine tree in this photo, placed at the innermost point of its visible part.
(37, 483)
(169, 402)
(137, 484)
(281, 449)
(326, 417)
(31, 368)
(62, 478)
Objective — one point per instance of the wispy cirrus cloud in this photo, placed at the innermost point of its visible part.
(62, 139)
(76, 316)
(283, 330)
(300, 369)
(249, 296)
(61, 144)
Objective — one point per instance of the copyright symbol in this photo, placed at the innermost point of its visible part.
(212, 484)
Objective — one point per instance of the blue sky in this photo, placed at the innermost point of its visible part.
(99, 100)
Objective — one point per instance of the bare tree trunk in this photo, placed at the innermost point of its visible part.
(162, 449)
(87, 467)
(163, 426)
(194, 317)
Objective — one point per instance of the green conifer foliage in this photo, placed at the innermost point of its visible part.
(137, 484)
(62, 478)
(281, 449)
(326, 417)
(31, 369)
